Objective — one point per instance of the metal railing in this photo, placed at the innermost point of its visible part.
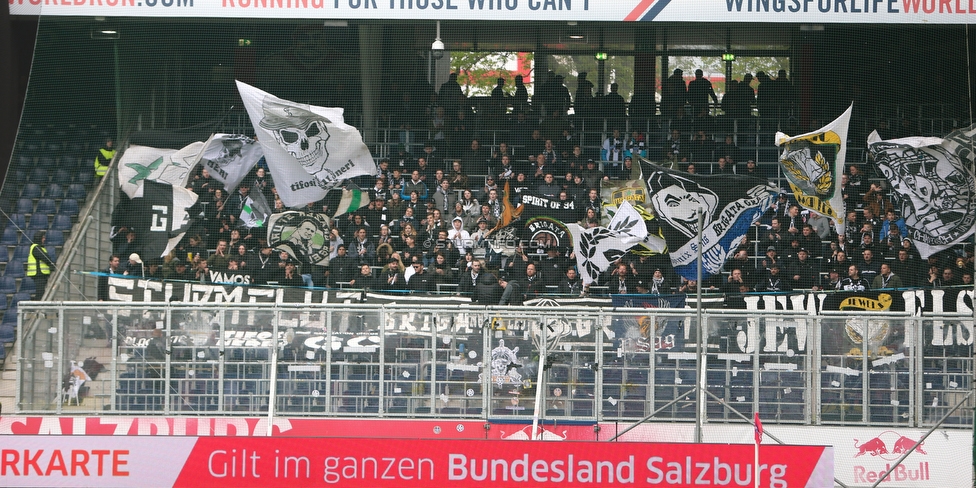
(469, 362)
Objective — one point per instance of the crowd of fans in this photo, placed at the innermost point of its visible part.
(435, 201)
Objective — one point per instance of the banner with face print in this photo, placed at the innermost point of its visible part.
(933, 184)
(304, 236)
(310, 150)
(813, 163)
(730, 204)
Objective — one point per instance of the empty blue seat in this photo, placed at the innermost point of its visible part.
(63, 176)
(46, 161)
(10, 317)
(14, 269)
(76, 191)
(8, 334)
(38, 175)
(17, 221)
(86, 177)
(38, 221)
(51, 253)
(69, 206)
(10, 237)
(8, 286)
(20, 252)
(28, 286)
(24, 162)
(62, 222)
(31, 190)
(55, 237)
(19, 297)
(45, 206)
(24, 206)
(54, 190)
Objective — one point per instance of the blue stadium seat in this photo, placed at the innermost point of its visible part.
(20, 252)
(4, 255)
(38, 221)
(62, 175)
(54, 190)
(10, 317)
(28, 286)
(46, 161)
(8, 286)
(86, 175)
(52, 253)
(10, 237)
(69, 206)
(8, 334)
(62, 223)
(39, 175)
(17, 221)
(24, 206)
(31, 190)
(14, 269)
(55, 237)
(76, 191)
(18, 297)
(24, 162)
(45, 206)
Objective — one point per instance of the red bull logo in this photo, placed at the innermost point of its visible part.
(879, 446)
(890, 446)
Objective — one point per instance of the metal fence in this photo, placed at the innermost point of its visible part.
(596, 364)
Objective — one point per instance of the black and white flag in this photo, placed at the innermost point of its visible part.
(310, 150)
(158, 215)
(304, 236)
(596, 248)
(255, 211)
(229, 157)
(933, 183)
(730, 205)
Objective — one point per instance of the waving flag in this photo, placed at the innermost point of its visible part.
(813, 163)
(597, 247)
(309, 149)
(255, 211)
(730, 205)
(933, 183)
(352, 199)
(158, 215)
(142, 163)
(229, 157)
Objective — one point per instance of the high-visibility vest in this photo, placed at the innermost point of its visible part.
(36, 266)
(105, 155)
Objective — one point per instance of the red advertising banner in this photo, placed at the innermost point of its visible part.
(214, 462)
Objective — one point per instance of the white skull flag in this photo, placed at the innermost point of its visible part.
(932, 182)
(309, 149)
(143, 163)
(229, 157)
(731, 204)
(813, 164)
(597, 247)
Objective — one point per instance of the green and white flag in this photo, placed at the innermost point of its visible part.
(255, 211)
(170, 166)
(352, 200)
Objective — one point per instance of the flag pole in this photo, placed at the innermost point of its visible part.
(700, 404)
(757, 424)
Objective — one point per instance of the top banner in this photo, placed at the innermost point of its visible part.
(756, 11)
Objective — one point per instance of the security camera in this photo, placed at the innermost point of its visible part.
(437, 49)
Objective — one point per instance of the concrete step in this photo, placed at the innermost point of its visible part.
(6, 405)
(8, 375)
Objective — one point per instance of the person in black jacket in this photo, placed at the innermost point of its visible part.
(421, 280)
(512, 293)
(364, 279)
